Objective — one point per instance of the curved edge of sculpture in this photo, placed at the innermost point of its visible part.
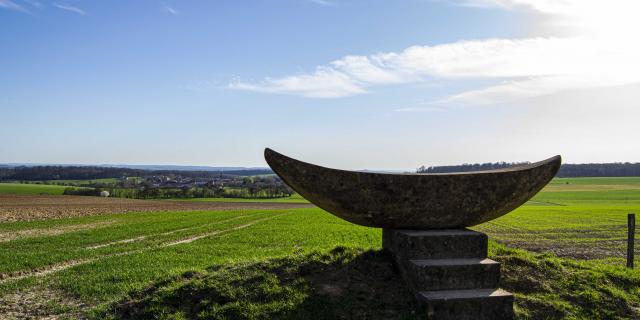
(414, 201)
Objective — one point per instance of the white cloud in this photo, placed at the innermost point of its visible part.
(70, 8)
(420, 109)
(322, 2)
(604, 54)
(546, 6)
(170, 10)
(36, 4)
(325, 82)
(8, 4)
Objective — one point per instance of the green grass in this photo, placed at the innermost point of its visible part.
(117, 269)
(20, 188)
(295, 198)
(142, 277)
(601, 190)
(299, 286)
(548, 287)
(596, 181)
(261, 264)
(589, 222)
(344, 283)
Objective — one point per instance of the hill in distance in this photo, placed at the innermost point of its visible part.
(149, 167)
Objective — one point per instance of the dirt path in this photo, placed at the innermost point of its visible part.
(38, 207)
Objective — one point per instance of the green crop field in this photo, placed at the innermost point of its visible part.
(295, 198)
(294, 263)
(575, 217)
(20, 188)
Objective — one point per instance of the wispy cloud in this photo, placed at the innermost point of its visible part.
(170, 10)
(203, 86)
(322, 2)
(10, 5)
(605, 54)
(536, 63)
(546, 6)
(421, 109)
(325, 82)
(70, 8)
(35, 4)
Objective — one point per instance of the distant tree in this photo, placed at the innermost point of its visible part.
(566, 170)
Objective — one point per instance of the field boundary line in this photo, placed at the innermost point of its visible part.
(547, 203)
(4, 278)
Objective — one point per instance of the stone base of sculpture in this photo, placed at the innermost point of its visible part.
(449, 272)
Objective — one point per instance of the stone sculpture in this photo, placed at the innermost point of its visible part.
(424, 217)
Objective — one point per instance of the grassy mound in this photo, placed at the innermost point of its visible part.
(342, 284)
(354, 284)
(548, 287)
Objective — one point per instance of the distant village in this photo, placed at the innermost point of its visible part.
(176, 186)
(148, 184)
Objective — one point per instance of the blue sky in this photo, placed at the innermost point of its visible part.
(350, 84)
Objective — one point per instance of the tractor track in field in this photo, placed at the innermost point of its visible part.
(143, 237)
(14, 276)
(218, 232)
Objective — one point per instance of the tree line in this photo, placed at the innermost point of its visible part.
(621, 169)
(250, 192)
(40, 173)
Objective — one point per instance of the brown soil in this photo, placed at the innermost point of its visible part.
(582, 251)
(37, 207)
(20, 234)
(39, 303)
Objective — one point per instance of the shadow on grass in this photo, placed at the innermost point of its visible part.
(348, 283)
(341, 284)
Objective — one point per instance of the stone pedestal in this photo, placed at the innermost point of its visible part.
(449, 272)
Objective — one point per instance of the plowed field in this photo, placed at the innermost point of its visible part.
(36, 207)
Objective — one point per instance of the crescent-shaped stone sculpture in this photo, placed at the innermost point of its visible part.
(414, 201)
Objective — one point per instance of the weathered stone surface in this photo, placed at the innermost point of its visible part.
(446, 274)
(449, 272)
(477, 304)
(435, 244)
(414, 201)
(422, 216)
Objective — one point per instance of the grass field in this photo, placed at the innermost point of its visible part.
(101, 258)
(260, 264)
(295, 198)
(575, 217)
(20, 188)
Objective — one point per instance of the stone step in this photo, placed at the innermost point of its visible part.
(476, 304)
(450, 274)
(435, 244)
